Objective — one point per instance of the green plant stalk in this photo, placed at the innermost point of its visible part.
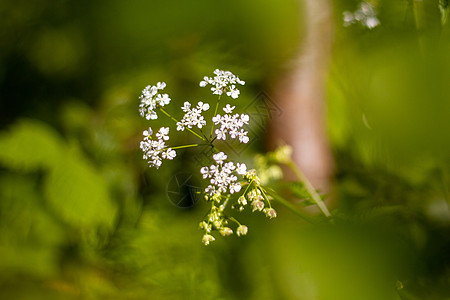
(187, 146)
(264, 195)
(291, 207)
(176, 121)
(215, 112)
(417, 7)
(309, 187)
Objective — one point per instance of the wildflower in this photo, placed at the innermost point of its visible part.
(207, 238)
(257, 205)
(150, 100)
(270, 213)
(193, 117)
(156, 150)
(242, 200)
(241, 169)
(225, 231)
(242, 230)
(251, 176)
(224, 81)
(365, 15)
(221, 176)
(206, 226)
(282, 154)
(230, 124)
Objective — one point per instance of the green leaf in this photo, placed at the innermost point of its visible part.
(29, 145)
(78, 194)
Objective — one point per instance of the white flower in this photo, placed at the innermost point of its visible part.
(228, 108)
(156, 150)
(242, 200)
(231, 124)
(365, 15)
(270, 213)
(372, 22)
(220, 157)
(160, 85)
(225, 231)
(150, 100)
(233, 92)
(242, 230)
(257, 205)
(235, 188)
(193, 117)
(224, 81)
(207, 238)
(222, 176)
(241, 169)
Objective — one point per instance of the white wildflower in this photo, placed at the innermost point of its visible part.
(241, 169)
(270, 213)
(232, 125)
(193, 117)
(224, 81)
(207, 238)
(156, 150)
(150, 100)
(225, 231)
(257, 205)
(242, 200)
(221, 176)
(242, 230)
(366, 15)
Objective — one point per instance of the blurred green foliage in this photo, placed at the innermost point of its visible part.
(82, 217)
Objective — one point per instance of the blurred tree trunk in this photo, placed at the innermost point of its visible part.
(300, 94)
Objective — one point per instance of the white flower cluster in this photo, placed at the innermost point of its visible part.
(256, 200)
(193, 117)
(156, 150)
(365, 14)
(223, 183)
(231, 124)
(150, 100)
(217, 221)
(224, 81)
(222, 177)
(225, 177)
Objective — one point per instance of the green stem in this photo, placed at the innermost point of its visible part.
(309, 187)
(215, 112)
(186, 146)
(234, 220)
(418, 8)
(248, 186)
(176, 121)
(291, 207)
(264, 195)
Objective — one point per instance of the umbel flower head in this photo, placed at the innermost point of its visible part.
(150, 100)
(223, 82)
(222, 177)
(226, 179)
(155, 150)
(193, 117)
(231, 124)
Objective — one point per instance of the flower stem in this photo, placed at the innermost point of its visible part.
(248, 186)
(187, 146)
(309, 188)
(264, 195)
(215, 112)
(291, 207)
(234, 220)
(176, 121)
